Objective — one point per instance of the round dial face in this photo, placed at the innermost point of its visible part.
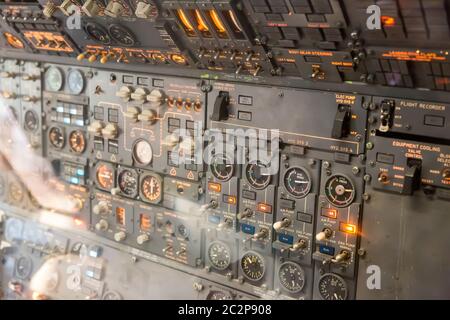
(221, 167)
(14, 228)
(292, 277)
(105, 176)
(54, 79)
(332, 287)
(16, 192)
(142, 152)
(122, 35)
(219, 254)
(77, 141)
(218, 295)
(256, 175)
(31, 121)
(151, 189)
(297, 182)
(128, 182)
(97, 33)
(183, 231)
(24, 266)
(339, 191)
(56, 137)
(252, 265)
(75, 81)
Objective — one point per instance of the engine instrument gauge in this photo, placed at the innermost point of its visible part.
(56, 137)
(77, 141)
(23, 267)
(257, 175)
(54, 79)
(219, 255)
(122, 35)
(252, 266)
(297, 182)
(105, 176)
(151, 187)
(97, 32)
(221, 167)
(75, 81)
(142, 152)
(339, 191)
(332, 287)
(292, 277)
(128, 182)
(31, 121)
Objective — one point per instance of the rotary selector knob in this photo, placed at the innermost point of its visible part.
(6, 75)
(110, 131)
(143, 238)
(65, 6)
(95, 128)
(147, 116)
(132, 113)
(101, 208)
(139, 95)
(102, 225)
(124, 93)
(282, 224)
(143, 10)
(114, 9)
(49, 9)
(324, 234)
(120, 236)
(156, 97)
(90, 8)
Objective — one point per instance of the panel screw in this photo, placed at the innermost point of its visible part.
(369, 145)
(366, 197)
(355, 170)
(361, 252)
(326, 165)
(367, 178)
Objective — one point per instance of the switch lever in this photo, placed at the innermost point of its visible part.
(220, 111)
(412, 176)
(341, 126)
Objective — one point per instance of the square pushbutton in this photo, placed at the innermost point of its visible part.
(435, 121)
(246, 116)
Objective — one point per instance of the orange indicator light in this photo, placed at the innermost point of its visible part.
(215, 187)
(329, 213)
(388, 21)
(347, 228)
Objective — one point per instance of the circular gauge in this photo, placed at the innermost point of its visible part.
(13, 41)
(56, 137)
(97, 32)
(151, 189)
(142, 152)
(183, 231)
(77, 141)
(112, 295)
(75, 81)
(151, 11)
(218, 295)
(339, 190)
(31, 121)
(219, 255)
(23, 267)
(54, 79)
(2, 186)
(13, 230)
(221, 167)
(256, 175)
(292, 277)
(252, 265)
(105, 176)
(16, 192)
(122, 35)
(332, 287)
(297, 182)
(128, 182)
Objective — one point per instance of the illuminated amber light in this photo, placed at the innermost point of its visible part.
(185, 21)
(13, 41)
(120, 216)
(234, 20)
(217, 22)
(347, 228)
(230, 200)
(388, 21)
(178, 59)
(145, 222)
(49, 41)
(215, 187)
(201, 24)
(78, 222)
(264, 207)
(329, 213)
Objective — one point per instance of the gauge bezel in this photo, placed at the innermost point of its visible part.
(122, 29)
(113, 178)
(135, 158)
(335, 276)
(227, 247)
(251, 183)
(158, 178)
(48, 85)
(308, 190)
(214, 171)
(36, 117)
(135, 174)
(296, 265)
(28, 272)
(349, 201)
(99, 27)
(263, 265)
(63, 134)
(84, 138)
(83, 83)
